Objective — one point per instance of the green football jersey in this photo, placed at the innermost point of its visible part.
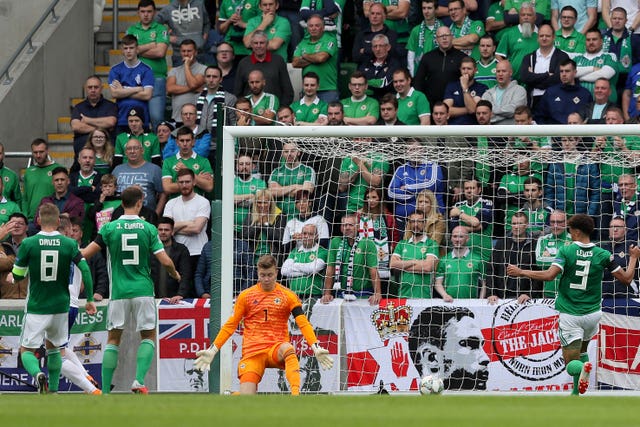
(486, 73)
(267, 101)
(461, 274)
(196, 163)
(240, 188)
(412, 107)
(573, 43)
(415, 285)
(279, 28)
(327, 71)
(11, 188)
(47, 258)
(364, 257)
(306, 285)
(422, 39)
(149, 141)
(37, 184)
(599, 62)
(399, 25)
(286, 176)
(514, 184)
(538, 218)
(248, 9)
(479, 241)
(130, 241)
(309, 113)
(358, 188)
(7, 208)
(514, 47)
(468, 27)
(547, 249)
(580, 288)
(496, 13)
(157, 33)
(367, 106)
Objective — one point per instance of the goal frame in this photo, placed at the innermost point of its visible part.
(226, 147)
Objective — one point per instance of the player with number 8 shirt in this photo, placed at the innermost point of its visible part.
(46, 258)
(580, 266)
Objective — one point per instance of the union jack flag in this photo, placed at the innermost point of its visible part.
(183, 328)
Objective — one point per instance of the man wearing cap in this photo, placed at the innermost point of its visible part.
(149, 140)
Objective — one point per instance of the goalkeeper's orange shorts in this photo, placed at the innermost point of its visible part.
(251, 369)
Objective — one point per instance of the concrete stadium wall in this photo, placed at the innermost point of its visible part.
(17, 18)
(45, 81)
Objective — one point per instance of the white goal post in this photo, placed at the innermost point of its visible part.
(391, 142)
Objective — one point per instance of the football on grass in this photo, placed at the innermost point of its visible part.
(431, 384)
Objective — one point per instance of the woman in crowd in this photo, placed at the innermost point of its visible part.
(435, 226)
(98, 139)
(376, 222)
(264, 227)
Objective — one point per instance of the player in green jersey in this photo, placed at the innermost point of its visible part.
(580, 266)
(46, 257)
(129, 240)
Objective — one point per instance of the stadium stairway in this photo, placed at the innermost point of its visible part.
(61, 139)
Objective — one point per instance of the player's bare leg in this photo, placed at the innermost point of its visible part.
(248, 388)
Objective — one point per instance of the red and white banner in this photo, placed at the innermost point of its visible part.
(183, 329)
(619, 350)
(470, 344)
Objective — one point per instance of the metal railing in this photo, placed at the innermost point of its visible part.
(28, 40)
(115, 24)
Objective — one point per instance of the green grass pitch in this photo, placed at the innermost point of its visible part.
(177, 410)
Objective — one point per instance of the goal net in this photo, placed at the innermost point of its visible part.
(397, 240)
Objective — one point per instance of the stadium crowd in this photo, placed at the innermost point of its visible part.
(353, 227)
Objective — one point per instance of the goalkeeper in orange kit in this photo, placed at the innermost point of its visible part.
(265, 309)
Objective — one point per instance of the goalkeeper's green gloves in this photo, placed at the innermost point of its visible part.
(322, 354)
(205, 357)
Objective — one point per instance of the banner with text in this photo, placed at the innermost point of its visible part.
(183, 329)
(619, 345)
(88, 338)
(470, 344)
